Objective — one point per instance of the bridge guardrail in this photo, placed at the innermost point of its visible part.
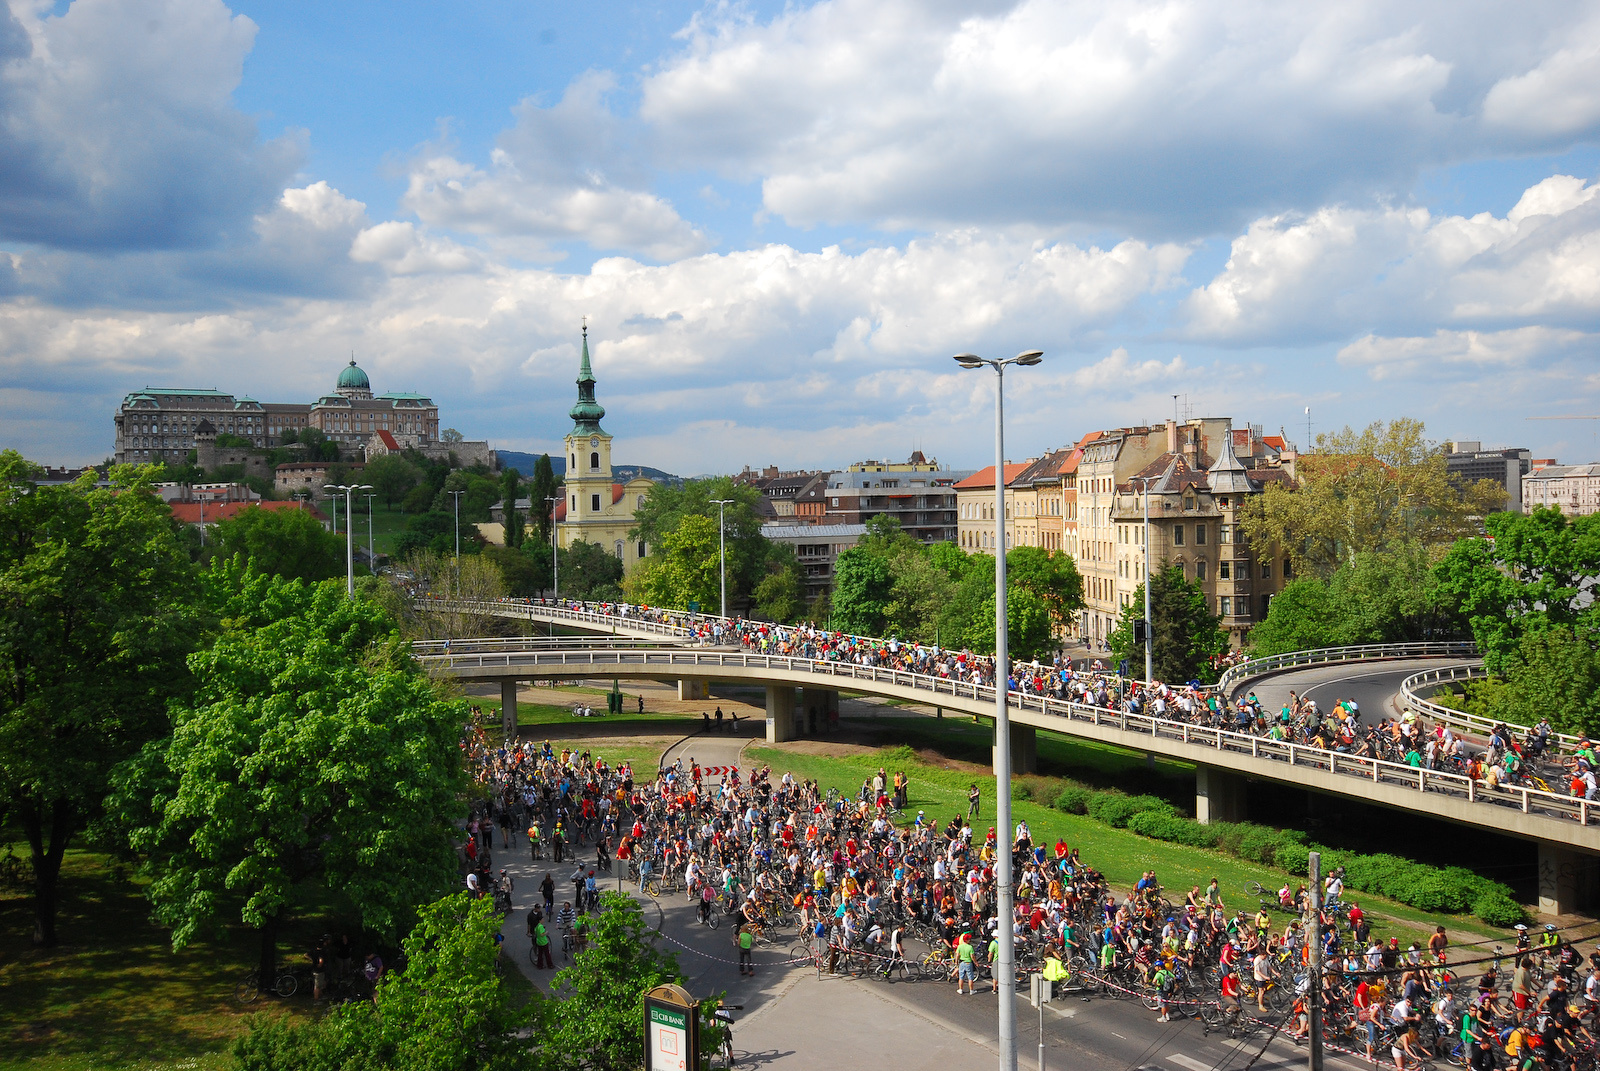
(1528, 800)
(1459, 718)
(1366, 652)
(530, 643)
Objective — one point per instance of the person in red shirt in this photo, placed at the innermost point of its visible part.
(1356, 914)
(1230, 999)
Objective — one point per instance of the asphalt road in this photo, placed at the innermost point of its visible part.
(1373, 685)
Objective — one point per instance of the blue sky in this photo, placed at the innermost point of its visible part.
(782, 219)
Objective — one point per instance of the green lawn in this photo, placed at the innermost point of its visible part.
(113, 994)
(1122, 856)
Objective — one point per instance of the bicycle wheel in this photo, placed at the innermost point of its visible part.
(286, 985)
(653, 888)
(727, 1051)
(1210, 1015)
(800, 954)
(1150, 1000)
(247, 990)
(711, 918)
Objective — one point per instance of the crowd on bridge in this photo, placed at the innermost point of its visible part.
(1501, 759)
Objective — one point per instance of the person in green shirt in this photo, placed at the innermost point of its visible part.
(541, 944)
(746, 943)
(966, 971)
(1162, 981)
(1108, 955)
(993, 954)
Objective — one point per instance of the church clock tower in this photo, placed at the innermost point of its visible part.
(588, 479)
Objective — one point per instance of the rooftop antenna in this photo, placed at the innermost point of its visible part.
(1308, 429)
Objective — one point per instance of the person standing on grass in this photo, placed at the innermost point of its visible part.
(972, 800)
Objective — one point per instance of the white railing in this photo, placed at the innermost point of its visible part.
(1366, 652)
(1227, 743)
(529, 643)
(1459, 718)
(676, 626)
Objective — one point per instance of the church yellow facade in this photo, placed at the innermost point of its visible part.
(596, 508)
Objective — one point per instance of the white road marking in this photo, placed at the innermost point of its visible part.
(1189, 1063)
(1124, 1038)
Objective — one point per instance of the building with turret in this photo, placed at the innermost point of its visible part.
(596, 508)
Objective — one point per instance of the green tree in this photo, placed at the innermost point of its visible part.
(1300, 618)
(683, 570)
(287, 542)
(1365, 491)
(418, 500)
(314, 753)
(392, 477)
(99, 600)
(1053, 577)
(1029, 630)
(863, 588)
(543, 488)
(596, 1023)
(449, 1010)
(589, 571)
(451, 435)
(1534, 571)
(510, 485)
(519, 571)
(778, 597)
(1185, 634)
(666, 508)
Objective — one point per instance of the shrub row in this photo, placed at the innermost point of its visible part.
(1451, 890)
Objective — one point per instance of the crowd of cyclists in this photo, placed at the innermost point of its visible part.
(855, 884)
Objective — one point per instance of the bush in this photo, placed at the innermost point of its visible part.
(1260, 844)
(1496, 907)
(1074, 799)
(1114, 809)
(1168, 826)
(1021, 790)
(1295, 858)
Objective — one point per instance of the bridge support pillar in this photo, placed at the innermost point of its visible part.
(693, 688)
(1024, 749)
(780, 713)
(1218, 795)
(508, 707)
(818, 709)
(1566, 879)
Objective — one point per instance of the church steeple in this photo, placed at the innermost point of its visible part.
(586, 414)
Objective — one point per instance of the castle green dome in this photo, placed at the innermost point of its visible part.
(353, 378)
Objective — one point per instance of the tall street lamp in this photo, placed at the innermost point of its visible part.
(1149, 626)
(1005, 969)
(555, 559)
(372, 561)
(722, 553)
(349, 491)
(458, 495)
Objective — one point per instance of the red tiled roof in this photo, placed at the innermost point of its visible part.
(189, 512)
(388, 440)
(1274, 441)
(985, 477)
(616, 493)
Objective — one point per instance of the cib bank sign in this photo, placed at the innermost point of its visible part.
(671, 1030)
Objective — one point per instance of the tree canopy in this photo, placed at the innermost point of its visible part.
(314, 752)
(392, 477)
(99, 611)
(287, 542)
(1185, 634)
(1367, 491)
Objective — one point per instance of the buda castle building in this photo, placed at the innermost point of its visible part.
(161, 423)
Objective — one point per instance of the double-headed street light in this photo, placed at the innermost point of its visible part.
(1149, 627)
(1005, 968)
(372, 560)
(722, 553)
(458, 495)
(349, 491)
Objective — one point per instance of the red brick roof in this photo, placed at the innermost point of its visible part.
(189, 512)
(388, 440)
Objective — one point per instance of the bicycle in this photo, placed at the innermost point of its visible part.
(285, 984)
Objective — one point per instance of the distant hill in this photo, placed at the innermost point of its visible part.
(524, 462)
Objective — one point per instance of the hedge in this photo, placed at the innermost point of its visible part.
(1450, 890)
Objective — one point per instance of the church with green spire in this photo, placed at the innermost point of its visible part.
(596, 508)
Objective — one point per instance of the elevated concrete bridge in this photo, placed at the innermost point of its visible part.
(1560, 825)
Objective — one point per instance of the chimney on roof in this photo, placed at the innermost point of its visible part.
(1172, 436)
(770, 472)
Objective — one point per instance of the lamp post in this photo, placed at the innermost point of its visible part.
(1149, 627)
(555, 559)
(722, 553)
(372, 561)
(1005, 967)
(458, 495)
(349, 491)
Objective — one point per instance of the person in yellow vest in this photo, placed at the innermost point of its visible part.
(1055, 972)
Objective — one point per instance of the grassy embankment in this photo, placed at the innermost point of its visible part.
(1122, 856)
